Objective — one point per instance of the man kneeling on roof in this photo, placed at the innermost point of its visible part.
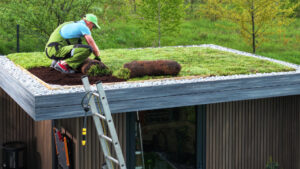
(64, 46)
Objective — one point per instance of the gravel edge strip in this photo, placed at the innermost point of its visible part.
(38, 89)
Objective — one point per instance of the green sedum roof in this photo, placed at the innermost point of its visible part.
(195, 61)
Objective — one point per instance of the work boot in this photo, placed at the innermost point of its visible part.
(53, 63)
(63, 67)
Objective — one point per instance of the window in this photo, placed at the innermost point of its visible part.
(166, 138)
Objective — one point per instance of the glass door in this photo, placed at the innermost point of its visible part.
(166, 139)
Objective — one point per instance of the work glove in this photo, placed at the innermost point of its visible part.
(97, 58)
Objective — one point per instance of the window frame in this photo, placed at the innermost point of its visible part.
(200, 138)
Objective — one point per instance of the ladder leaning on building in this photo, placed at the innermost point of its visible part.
(102, 117)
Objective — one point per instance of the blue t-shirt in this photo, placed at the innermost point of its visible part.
(75, 30)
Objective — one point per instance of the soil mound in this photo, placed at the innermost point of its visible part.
(52, 76)
(88, 63)
(153, 68)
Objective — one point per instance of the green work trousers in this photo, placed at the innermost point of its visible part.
(79, 53)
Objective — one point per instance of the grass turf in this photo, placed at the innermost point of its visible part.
(194, 61)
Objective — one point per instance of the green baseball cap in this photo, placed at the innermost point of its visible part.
(92, 18)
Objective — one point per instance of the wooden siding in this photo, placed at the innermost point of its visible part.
(43, 144)
(91, 155)
(245, 134)
(16, 125)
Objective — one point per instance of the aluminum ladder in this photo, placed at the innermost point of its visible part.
(106, 118)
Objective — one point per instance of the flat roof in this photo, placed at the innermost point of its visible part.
(44, 101)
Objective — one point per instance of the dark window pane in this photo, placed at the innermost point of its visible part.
(168, 138)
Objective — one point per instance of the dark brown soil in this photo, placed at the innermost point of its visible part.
(52, 76)
(153, 68)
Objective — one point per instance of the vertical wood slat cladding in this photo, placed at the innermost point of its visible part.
(43, 144)
(91, 155)
(17, 125)
(245, 134)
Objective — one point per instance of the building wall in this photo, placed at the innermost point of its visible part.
(91, 155)
(16, 125)
(241, 134)
(244, 134)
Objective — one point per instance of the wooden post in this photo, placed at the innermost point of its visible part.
(130, 140)
(54, 161)
(201, 136)
(18, 38)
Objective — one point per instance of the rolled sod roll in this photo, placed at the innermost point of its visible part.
(88, 63)
(153, 68)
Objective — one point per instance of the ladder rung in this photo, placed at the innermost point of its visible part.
(99, 115)
(138, 152)
(96, 94)
(106, 138)
(112, 159)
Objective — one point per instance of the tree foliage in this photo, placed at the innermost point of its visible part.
(160, 16)
(157, 18)
(113, 10)
(43, 16)
(209, 9)
(254, 17)
(297, 9)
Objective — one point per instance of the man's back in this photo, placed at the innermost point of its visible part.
(75, 30)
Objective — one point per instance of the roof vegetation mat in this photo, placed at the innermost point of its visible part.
(195, 61)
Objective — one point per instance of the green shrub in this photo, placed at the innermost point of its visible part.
(272, 164)
(122, 73)
(97, 71)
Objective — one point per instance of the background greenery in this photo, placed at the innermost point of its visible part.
(121, 26)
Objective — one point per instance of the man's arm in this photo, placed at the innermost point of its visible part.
(89, 39)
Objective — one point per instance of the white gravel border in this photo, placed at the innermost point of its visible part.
(38, 89)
